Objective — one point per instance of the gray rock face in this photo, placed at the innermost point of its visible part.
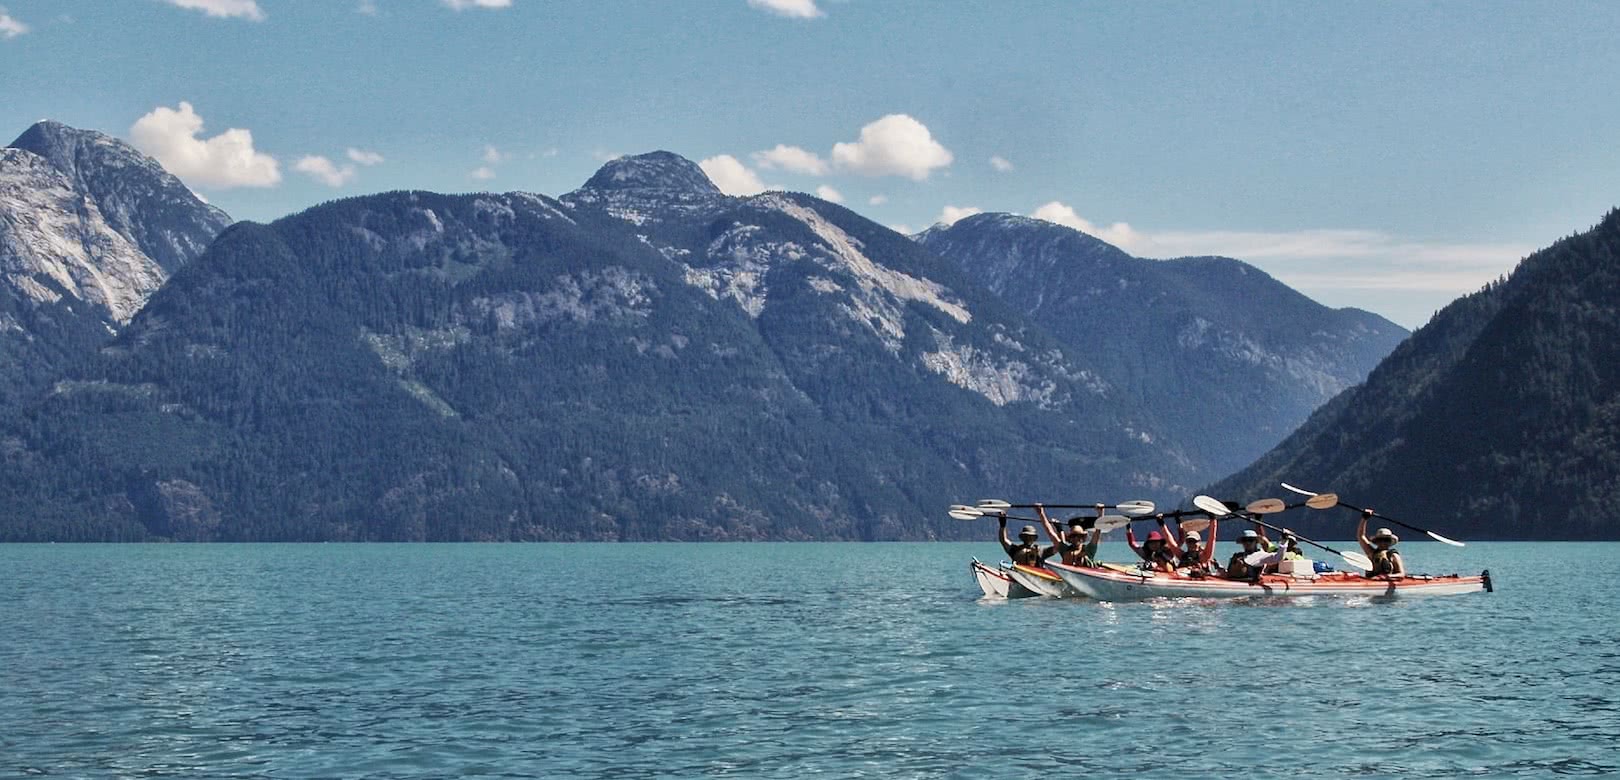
(1234, 359)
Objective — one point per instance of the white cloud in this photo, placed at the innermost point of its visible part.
(950, 214)
(367, 7)
(493, 155)
(223, 9)
(877, 200)
(324, 170)
(1119, 234)
(791, 158)
(224, 161)
(482, 173)
(364, 157)
(10, 26)
(1000, 163)
(793, 9)
(827, 193)
(895, 145)
(462, 5)
(731, 176)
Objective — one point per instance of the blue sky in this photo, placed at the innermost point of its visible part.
(1383, 155)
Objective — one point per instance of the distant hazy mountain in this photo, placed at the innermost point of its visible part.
(1498, 419)
(89, 228)
(645, 358)
(1227, 356)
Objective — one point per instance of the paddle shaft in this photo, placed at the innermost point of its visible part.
(1408, 526)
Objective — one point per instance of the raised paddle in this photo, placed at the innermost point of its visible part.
(1385, 518)
(1219, 509)
(1135, 508)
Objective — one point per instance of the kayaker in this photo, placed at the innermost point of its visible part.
(1195, 557)
(1027, 552)
(1078, 547)
(1380, 549)
(1237, 567)
(1159, 551)
(1289, 546)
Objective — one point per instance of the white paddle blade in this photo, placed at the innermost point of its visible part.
(1108, 523)
(1259, 557)
(1357, 560)
(1323, 501)
(993, 503)
(1211, 506)
(966, 508)
(1135, 508)
(1300, 491)
(1196, 526)
(960, 515)
(1444, 540)
(1267, 506)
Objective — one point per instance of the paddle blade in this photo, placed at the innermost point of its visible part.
(1211, 506)
(1135, 508)
(1267, 506)
(1323, 501)
(1357, 560)
(966, 508)
(993, 503)
(1300, 491)
(1444, 540)
(957, 514)
(1198, 526)
(1108, 523)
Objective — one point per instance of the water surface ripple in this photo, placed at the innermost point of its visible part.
(776, 661)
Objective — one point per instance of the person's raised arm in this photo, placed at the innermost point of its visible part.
(1006, 544)
(1051, 529)
(1361, 533)
(1208, 556)
(1130, 539)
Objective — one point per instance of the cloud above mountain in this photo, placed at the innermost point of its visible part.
(792, 9)
(223, 9)
(731, 176)
(895, 145)
(224, 161)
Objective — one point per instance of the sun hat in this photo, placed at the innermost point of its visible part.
(1029, 530)
(1249, 535)
(1385, 533)
(1192, 536)
(1155, 537)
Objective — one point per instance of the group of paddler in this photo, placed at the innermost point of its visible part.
(1189, 555)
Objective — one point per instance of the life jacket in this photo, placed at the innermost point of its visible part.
(1238, 567)
(1383, 561)
(1028, 554)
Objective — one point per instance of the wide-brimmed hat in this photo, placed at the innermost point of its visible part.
(1249, 536)
(1029, 530)
(1155, 537)
(1385, 533)
(1192, 536)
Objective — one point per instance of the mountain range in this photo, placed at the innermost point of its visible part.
(642, 358)
(1500, 418)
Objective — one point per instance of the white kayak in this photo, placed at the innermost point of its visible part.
(1038, 581)
(994, 582)
(1122, 583)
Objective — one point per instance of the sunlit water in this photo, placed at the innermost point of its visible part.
(779, 660)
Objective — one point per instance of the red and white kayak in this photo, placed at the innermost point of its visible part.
(1127, 584)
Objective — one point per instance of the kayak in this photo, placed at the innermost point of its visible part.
(1038, 581)
(1112, 583)
(994, 582)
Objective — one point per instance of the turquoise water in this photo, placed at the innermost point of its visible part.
(777, 660)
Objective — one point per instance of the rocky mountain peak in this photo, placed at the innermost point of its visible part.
(652, 171)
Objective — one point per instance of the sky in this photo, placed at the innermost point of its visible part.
(1389, 156)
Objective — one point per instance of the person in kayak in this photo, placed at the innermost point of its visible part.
(1159, 551)
(1380, 549)
(1027, 552)
(1078, 547)
(1289, 546)
(1237, 567)
(1195, 556)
